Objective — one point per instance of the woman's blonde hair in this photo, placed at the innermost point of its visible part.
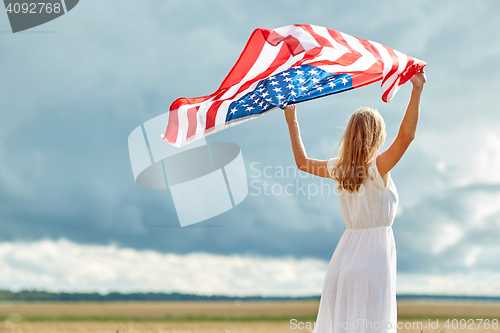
(363, 137)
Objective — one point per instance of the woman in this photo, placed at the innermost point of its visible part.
(359, 292)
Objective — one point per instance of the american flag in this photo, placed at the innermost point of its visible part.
(284, 66)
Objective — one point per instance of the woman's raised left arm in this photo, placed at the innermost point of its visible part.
(310, 165)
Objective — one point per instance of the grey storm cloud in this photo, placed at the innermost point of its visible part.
(71, 98)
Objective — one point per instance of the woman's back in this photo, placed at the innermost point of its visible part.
(374, 205)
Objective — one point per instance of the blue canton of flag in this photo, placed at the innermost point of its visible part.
(297, 84)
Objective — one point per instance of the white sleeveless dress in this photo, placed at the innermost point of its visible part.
(359, 291)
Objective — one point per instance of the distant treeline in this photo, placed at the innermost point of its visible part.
(34, 295)
(457, 298)
(44, 296)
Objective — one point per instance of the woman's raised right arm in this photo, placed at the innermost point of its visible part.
(408, 129)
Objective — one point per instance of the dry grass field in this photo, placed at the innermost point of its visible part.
(222, 317)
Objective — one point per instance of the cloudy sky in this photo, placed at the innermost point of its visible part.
(72, 90)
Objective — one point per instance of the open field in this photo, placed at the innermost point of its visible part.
(223, 317)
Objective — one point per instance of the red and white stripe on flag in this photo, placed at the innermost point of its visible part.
(271, 51)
